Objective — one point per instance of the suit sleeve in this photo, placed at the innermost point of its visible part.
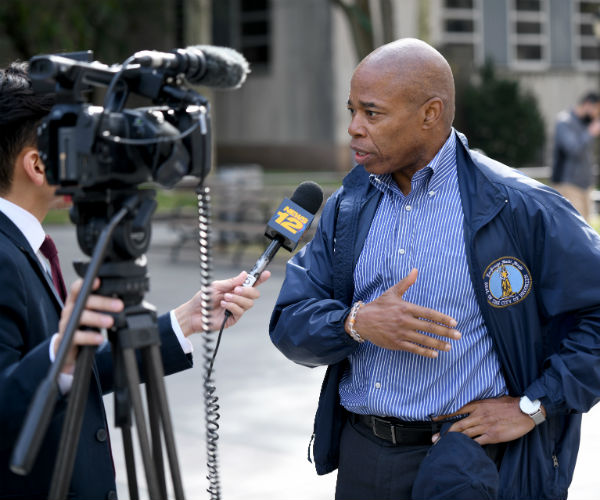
(307, 324)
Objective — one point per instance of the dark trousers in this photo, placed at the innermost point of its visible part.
(371, 468)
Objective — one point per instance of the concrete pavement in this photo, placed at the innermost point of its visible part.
(267, 402)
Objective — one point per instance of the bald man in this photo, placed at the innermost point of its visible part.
(451, 299)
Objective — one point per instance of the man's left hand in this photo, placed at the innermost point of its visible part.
(489, 421)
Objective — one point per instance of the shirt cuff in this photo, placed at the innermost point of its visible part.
(185, 343)
(65, 380)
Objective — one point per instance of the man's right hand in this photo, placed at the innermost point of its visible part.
(392, 323)
(92, 316)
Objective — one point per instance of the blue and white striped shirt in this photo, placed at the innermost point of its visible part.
(422, 230)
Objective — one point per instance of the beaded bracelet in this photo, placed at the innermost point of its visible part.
(353, 312)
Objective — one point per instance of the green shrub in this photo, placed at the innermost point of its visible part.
(501, 119)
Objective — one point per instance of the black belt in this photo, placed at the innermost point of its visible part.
(399, 431)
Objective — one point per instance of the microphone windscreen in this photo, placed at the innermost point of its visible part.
(309, 196)
(226, 68)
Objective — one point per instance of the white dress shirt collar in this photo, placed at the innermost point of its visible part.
(27, 223)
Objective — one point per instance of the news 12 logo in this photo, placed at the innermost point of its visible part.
(289, 223)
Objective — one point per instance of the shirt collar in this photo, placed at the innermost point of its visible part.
(434, 173)
(27, 223)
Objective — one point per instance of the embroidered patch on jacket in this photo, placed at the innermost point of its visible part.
(507, 281)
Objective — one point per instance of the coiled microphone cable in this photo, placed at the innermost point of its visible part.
(211, 401)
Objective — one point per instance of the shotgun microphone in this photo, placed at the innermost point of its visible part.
(212, 66)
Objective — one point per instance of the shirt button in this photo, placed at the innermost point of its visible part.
(377, 385)
(402, 251)
(431, 193)
(408, 208)
(101, 435)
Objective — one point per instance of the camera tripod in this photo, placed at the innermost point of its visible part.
(115, 237)
(135, 331)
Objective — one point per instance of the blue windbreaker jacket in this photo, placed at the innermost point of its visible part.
(546, 334)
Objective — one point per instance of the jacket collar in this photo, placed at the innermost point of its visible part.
(481, 197)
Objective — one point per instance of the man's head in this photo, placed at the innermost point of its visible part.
(402, 107)
(21, 110)
(588, 108)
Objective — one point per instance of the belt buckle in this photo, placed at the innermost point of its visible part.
(392, 428)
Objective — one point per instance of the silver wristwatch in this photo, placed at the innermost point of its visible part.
(533, 409)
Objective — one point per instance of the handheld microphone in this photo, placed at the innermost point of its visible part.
(286, 227)
(209, 65)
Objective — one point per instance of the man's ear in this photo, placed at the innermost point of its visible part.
(432, 111)
(33, 166)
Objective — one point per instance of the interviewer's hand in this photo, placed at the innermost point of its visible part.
(226, 294)
(495, 420)
(92, 316)
(391, 322)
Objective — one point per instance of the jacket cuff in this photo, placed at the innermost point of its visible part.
(549, 391)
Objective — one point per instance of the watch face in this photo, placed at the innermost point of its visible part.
(528, 406)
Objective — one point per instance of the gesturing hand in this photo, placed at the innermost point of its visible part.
(391, 322)
(495, 420)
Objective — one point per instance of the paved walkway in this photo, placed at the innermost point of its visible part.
(267, 402)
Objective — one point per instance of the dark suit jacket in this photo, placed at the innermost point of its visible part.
(29, 314)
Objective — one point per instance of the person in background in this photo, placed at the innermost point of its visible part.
(35, 308)
(573, 159)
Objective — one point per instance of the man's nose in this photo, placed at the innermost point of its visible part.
(356, 127)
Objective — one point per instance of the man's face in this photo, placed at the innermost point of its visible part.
(384, 126)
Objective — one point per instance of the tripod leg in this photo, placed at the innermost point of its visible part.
(155, 377)
(63, 468)
(123, 414)
(133, 382)
(153, 415)
(130, 463)
(123, 420)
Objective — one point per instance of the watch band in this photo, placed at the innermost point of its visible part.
(538, 416)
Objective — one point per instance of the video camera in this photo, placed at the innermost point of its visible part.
(100, 154)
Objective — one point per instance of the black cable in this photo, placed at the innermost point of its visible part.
(216, 349)
(152, 140)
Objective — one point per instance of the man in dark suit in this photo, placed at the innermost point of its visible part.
(33, 317)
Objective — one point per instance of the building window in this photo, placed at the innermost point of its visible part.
(246, 26)
(586, 42)
(255, 31)
(461, 29)
(529, 43)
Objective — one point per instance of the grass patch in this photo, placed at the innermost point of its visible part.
(167, 200)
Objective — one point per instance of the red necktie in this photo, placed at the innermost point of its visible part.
(49, 251)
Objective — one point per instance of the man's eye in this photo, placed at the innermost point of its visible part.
(351, 111)
(370, 113)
